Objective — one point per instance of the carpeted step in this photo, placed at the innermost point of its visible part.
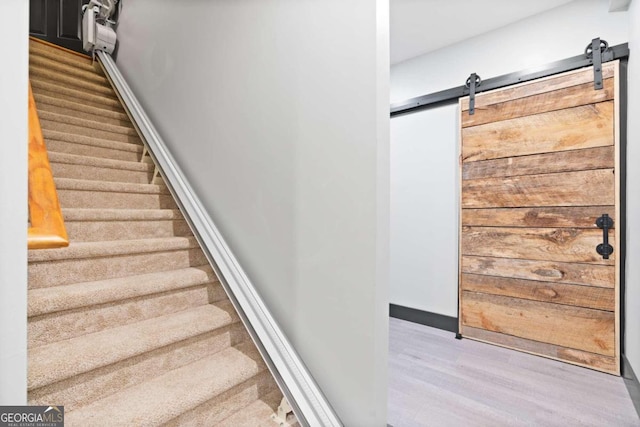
(53, 65)
(99, 169)
(63, 57)
(93, 147)
(165, 397)
(86, 388)
(114, 359)
(228, 403)
(81, 111)
(50, 363)
(92, 225)
(79, 295)
(78, 193)
(71, 82)
(256, 414)
(91, 261)
(165, 293)
(49, 88)
(90, 128)
(93, 124)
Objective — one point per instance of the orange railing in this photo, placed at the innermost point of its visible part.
(45, 217)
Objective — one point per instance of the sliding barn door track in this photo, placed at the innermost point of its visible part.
(588, 58)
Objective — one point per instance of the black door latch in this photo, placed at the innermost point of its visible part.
(604, 248)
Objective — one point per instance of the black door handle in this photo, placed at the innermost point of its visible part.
(604, 248)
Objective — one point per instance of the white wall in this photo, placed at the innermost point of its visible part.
(424, 273)
(278, 113)
(14, 52)
(424, 207)
(632, 335)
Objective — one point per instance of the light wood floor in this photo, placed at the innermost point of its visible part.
(436, 380)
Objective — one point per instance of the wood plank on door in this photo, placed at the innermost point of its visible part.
(559, 244)
(536, 87)
(558, 293)
(581, 188)
(558, 100)
(540, 133)
(536, 164)
(567, 326)
(547, 271)
(550, 217)
(570, 355)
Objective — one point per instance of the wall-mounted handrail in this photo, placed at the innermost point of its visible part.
(47, 228)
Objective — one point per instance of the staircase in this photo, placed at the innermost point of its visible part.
(129, 324)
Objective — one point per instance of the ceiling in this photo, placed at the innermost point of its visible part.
(421, 26)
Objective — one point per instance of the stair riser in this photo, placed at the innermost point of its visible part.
(72, 82)
(66, 170)
(63, 272)
(122, 121)
(63, 57)
(227, 403)
(71, 71)
(49, 88)
(92, 151)
(109, 200)
(86, 388)
(92, 133)
(95, 125)
(95, 231)
(59, 326)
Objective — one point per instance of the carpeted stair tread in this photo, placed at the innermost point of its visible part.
(84, 389)
(108, 195)
(76, 214)
(84, 250)
(60, 298)
(60, 56)
(64, 85)
(98, 162)
(47, 98)
(91, 124)
(53, 65)
(228, 403)
(165, 397)
(75, 95)
(61, 106)
(70, 81)
(93, 142)
(257, 414)
(52, 92)
(58, 361)
(77, 270)
(62, 146)
(62, 123)
(96, 173)
(123, 224)
(113, 187)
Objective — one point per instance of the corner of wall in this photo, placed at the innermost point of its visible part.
(13, 215)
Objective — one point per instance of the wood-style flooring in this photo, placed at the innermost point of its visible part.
(436, 380)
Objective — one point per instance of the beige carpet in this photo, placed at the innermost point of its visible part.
(129, 324)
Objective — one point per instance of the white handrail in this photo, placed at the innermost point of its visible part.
(309, 403)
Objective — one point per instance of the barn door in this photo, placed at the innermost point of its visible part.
(539, 169)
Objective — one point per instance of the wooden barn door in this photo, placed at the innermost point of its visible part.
(539, 167)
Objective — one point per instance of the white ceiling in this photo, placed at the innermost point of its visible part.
(421, 26)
